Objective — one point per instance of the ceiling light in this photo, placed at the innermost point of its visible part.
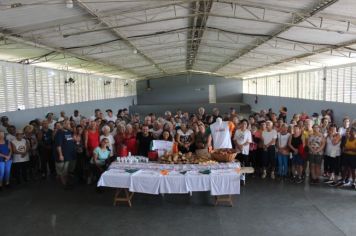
(69, 4)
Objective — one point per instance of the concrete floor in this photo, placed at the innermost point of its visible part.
(265, 207)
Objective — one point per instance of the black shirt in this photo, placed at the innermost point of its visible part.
(47, 137)
(144, 143)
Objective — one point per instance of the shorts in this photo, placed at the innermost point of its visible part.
(349, 161)
(297, 160)
(315, 159)
(65, 167)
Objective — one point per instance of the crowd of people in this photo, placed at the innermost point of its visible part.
(81, 148)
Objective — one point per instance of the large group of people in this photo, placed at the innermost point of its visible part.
(80, 148)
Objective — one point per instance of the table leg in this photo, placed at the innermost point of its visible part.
(220, 199)
(123, 195)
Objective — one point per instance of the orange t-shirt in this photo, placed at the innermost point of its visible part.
(231, 128)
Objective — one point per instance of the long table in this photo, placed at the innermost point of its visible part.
(154, 178)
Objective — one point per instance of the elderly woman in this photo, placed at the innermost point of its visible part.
(29, 135)
(283, 150)
(106, 134)
(119, 139)
(316, 144)
(201, 114)
(5, 160)
(168, 126)
(130, 140)
(156, 130)
(21, 157)
(332, 155)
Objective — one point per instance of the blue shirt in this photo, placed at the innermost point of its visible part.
(64, 139)
(4, 149)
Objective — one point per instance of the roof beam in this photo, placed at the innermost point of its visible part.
(78, 19)
(198, 27)
(117, 33)
(294, 21)
(305, 55)
(22, 40)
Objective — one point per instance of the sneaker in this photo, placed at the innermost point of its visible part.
(333, 184)
(348, 184)
(264, 174)
(299, 180)
(272, 175)
(328, 181)
(340, 183)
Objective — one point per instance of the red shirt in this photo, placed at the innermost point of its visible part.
(131, 144)
(93, 141)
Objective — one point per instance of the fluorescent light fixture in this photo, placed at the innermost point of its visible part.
(69, 4)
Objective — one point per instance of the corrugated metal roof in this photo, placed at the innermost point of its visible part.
(142, 39)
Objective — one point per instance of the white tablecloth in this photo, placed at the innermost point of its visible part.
(174, 182)
(223, 182)
(145, 181)
(197, 182)
(218, 182)
(115, 178)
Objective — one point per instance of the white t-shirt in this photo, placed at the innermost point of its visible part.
(283, 139)
(268, 136)
(51, 125)
(242, 137)
(156, 133)
(184, 137)
(108, 118)
(60, 119)
(332, 150)
(113, 133)
(3, 129)
(76, 119)
(111, 141)
(342, 131)
(10, 137)
(221, 135)
(20, 146)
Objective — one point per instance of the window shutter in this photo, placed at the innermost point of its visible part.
(3, 107)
